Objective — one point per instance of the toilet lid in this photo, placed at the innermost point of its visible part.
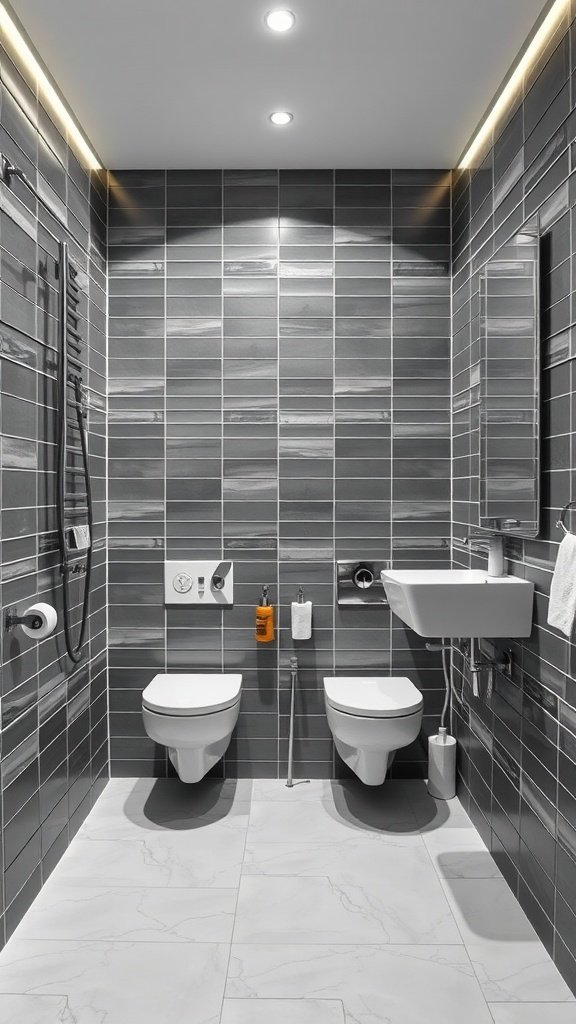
(377, 697)
(191, 693)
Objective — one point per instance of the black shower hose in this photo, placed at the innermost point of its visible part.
(74, 650)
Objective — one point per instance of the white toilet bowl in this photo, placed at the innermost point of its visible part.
(370, 719)
(194, 716)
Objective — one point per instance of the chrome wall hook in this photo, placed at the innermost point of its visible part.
(561, 522)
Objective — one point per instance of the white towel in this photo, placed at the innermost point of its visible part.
(301, 620)
(562, 607)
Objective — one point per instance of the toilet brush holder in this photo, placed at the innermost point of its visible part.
(442, 766)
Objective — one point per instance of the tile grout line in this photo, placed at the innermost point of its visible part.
(236, 904)
(465, 947)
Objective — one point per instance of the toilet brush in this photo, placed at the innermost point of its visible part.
(442, 765)
(442, 747)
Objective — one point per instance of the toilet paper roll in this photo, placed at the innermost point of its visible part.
(49, 619)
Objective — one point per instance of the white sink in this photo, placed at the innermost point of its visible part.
(460, 602)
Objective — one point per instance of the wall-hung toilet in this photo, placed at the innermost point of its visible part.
(193, 714)
(370, 719)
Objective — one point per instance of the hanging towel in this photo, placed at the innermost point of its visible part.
(301, 620)
(562, 607)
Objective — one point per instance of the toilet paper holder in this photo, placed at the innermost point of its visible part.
(359, 582)
(39, 620)
(33, 621)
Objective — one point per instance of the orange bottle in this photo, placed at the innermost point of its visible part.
(264, 619)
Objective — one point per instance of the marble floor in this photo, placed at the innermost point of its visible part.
(247, 902)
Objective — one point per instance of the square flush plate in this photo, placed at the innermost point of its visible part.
(198, 583)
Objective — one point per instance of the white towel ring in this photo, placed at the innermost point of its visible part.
(561, 524)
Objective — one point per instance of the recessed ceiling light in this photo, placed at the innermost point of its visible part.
(281, 117)
(280, 21)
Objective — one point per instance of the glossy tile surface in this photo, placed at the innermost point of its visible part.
(517, 747)
(53, 722)
(399, 984)
(506, 953)
(532, 1013)
(281, 400)
(282, 1011)
(134, 914)
(14, 1009)
(120, 981)
(244, 902)
(460, 853)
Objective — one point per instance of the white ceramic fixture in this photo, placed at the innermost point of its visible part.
(460, 602)
(370, 719)
(193, 715)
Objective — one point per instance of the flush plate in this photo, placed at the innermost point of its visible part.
(195, 583)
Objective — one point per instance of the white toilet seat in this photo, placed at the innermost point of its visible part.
(371, 718)
(193, 715)
(376, 697)
(191, 694)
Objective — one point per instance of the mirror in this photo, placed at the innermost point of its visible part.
(510, 385)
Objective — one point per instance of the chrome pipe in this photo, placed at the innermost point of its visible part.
(293, 678)
(293, 682)
(475, 666)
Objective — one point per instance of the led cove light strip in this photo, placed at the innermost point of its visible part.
(546, 29)
(45, 87)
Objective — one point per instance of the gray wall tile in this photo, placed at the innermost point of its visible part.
(265, 368)
(53, 734)
(515, 758)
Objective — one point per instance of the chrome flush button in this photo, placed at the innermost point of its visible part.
(182, 583)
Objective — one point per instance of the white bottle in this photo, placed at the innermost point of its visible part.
(442, 765)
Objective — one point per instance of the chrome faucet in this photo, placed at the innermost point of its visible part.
(495, 550)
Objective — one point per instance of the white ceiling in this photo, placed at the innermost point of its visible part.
(190, 83)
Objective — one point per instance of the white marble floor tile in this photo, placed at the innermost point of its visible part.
(533, 1013)
(209, 856)
(510, 961)
(324, 789)
(154, 805)
(27, 1009)
(351, 891)
(377, 984)
(282, 1011)
(327, 821)
(460, 853)
(387, 807)
(202, 794)
(124, 982)
(434, 814)
(63, 911)
(320, 910)
(356, 905)
(276, 789)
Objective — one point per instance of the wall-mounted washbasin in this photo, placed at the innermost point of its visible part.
(460, 602)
